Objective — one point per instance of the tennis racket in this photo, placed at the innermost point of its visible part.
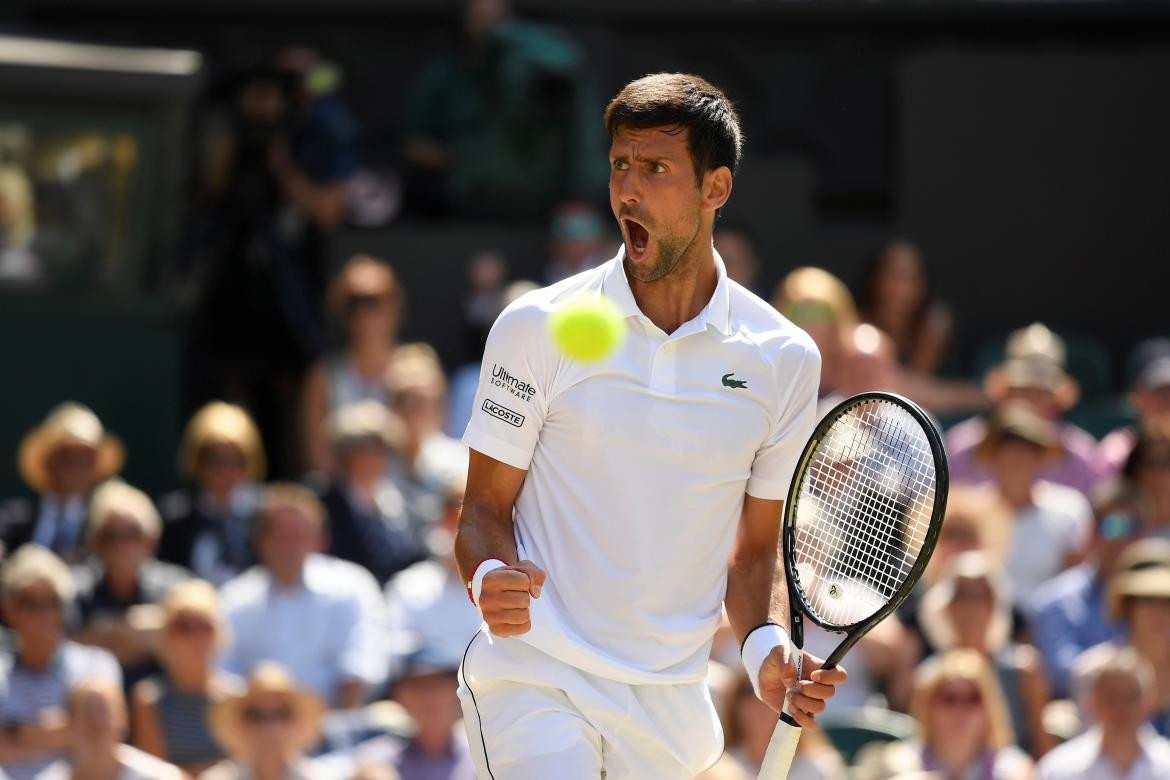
(860, 523)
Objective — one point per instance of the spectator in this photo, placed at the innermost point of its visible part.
(577, 243)
(208, 524)
(426, 690)
(505, 127)
(267, 729)
(1148, 466)
(970, 608)
(428, 604)
(822, 305)
(63, 459)
(1120, 691)
(369, 521)
(1069, 613)
(858, 357)
(964, 724)
(320, 617)
(1140, 599)
(274, 190)
(487, 271)
(170, 709)
(97, 726)
(1033, 374)
(748, 724)
(368, 300)
(41, 666)
(1050, 523)
(430, 460)
(895, 297)
(974, 518)
(737, 249)
(1150, 399)
(120, 589)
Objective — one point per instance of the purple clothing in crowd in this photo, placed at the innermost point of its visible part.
(1079, 468)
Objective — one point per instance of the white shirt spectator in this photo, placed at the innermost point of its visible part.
(1045, 534)
(328, 630)
(135, 765)
(28, 695)
(1081, 759)
(428, 607)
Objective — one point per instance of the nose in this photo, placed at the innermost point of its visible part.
(627, 187)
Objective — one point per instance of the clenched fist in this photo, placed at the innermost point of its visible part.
(806, 697)
(504, 597)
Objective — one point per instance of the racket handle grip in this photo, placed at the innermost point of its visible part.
(782, 746)
(781, 749)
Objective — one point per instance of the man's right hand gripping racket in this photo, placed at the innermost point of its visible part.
(860, 523)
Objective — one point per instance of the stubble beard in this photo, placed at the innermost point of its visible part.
(673, 252)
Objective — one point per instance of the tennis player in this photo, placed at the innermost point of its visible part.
(613, 508)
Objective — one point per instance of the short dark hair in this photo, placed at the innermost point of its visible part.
(682, 101)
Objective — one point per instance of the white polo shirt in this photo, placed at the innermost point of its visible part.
(637, 466)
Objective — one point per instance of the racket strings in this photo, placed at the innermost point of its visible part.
(864, 511)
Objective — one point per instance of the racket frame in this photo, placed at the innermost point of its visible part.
(798, 605)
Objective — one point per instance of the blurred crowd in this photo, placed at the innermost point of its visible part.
(293, 610)
(240, 627)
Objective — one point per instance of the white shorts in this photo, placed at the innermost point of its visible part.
(531, 717)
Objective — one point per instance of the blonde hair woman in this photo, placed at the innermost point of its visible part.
(171, 709)
(222, 460)
(822, 305)
(367, 299)
(966, 732)
(970, 607)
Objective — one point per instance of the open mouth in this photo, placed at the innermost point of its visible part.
(637, 238)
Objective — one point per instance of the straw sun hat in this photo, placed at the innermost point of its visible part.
(227, 719)
(68, 424)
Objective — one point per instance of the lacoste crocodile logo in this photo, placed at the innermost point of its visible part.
(736, 384)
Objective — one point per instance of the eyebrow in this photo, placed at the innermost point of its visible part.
(644, 159)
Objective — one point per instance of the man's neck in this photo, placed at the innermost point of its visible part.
(956, 756)
(680, 296)
(36, 655)
(1017, 495)
(97, 763)
(1121, 750)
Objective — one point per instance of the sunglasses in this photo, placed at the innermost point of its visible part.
(217, 458)
(974, 593)
(1119, 525)
(190, 626)
(1156, 462)
(363, 302)
(261, 715)
(115, 535)
(810, 313)
(959, 698)
(33, 604)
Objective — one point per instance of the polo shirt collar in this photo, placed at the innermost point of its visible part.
(717, 312)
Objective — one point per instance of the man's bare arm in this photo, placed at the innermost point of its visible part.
(757, 592)
(485, 532)
(756, 589)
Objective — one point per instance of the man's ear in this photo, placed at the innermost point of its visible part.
(716, 188)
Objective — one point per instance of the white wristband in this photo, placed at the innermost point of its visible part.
(484, 567)
(756, 647)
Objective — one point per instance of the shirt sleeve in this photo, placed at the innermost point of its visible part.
(515, 379)
(776, 459)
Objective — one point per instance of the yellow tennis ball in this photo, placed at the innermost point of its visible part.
(588, 328)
